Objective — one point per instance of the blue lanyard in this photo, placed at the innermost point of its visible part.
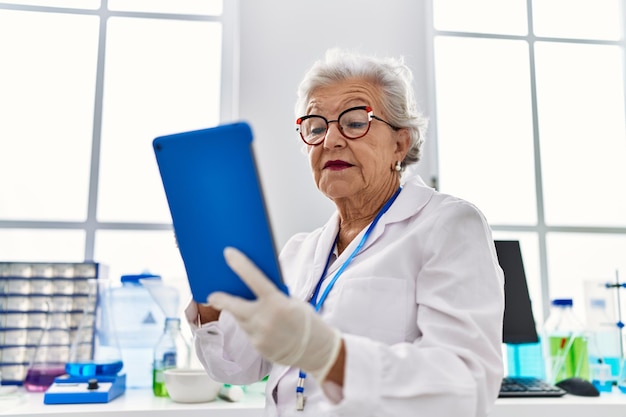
(318, 304)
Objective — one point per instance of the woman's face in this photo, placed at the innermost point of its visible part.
(354, 168)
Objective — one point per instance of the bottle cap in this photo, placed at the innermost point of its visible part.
(563, 302)
(135, 278)
(172, 319)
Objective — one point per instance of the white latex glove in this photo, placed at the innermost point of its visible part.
(284, 330)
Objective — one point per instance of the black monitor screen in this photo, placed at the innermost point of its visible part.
(519, 323)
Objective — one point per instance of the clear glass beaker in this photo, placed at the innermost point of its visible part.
(95, 350)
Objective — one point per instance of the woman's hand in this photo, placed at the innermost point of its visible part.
(199, 314)
(282, 329)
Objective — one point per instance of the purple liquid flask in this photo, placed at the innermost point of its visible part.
(41, 375)
(52, 349)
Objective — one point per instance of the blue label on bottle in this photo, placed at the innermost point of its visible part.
(169, 360)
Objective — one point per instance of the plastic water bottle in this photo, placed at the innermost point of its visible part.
(171, 351)
(566, 343)
(138, 323)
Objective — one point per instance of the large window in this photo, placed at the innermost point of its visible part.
(531, 127)
(85, 87)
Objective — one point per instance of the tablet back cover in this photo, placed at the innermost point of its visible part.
(215, 199)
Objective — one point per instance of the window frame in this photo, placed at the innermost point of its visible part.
(229, 108)
(541, 229)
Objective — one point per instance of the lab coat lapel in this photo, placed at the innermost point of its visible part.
(414, 196)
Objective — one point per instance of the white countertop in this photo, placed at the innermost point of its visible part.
(606, 405)
(135, 403)
(141, 403)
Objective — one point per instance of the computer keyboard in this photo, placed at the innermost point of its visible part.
(528, 387)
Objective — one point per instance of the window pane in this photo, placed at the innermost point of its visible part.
(133, 252)
(484, 126)
(481, 16)
(580, 97)
(580, 19)
(208, 7)
(42, 245)
(161, 77)
(74, 4)
(529, 244)
(576, 258)
(47, 83)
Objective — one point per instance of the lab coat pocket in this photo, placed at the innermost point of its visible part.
(374, 307)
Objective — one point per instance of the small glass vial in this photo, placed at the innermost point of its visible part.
(172, 351)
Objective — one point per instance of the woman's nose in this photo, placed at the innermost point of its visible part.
(334, 137)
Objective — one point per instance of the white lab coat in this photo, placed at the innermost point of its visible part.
(420, 310)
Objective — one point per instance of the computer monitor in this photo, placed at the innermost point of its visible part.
(519, 323)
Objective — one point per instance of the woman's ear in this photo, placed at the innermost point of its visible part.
(403, 141)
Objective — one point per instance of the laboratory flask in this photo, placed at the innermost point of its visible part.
(52, 345)
(566, 343)
(95, 350)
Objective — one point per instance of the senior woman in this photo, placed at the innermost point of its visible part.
(396, 303)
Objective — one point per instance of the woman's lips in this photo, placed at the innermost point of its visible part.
(337, 165)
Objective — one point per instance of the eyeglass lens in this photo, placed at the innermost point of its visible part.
(353, 124)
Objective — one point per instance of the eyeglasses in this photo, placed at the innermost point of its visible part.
(354, 123)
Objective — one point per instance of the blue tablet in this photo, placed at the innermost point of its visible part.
(215, 198)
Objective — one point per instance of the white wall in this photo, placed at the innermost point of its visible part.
(280, 40)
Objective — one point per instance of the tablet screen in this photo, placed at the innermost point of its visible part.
(215, 198)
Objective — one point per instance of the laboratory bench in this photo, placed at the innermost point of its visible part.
(133, 403)
(141, 403)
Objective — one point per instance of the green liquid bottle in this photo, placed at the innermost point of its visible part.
(570, 357)
(158, 383)
(172, 351)
(566, 353)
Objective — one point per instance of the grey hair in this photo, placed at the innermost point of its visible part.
(393, 77)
